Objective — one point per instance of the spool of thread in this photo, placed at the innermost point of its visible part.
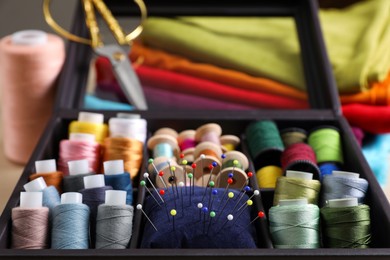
(346, 224)
(165, 173)
(239, 176)
(78, 169)
(164, 145)
(132, 128)
(50, 195)
(207, 153)
(167, 131)
(47, 169)
(342, 184)
(327, 168)
(297, 185)
(300, 157)
(93, 195)
(116, 177)
(295, 224)
(126, 149)
(326, 143)
(79, 146)
(31, 61)
(90, 123)
(293, 135)
(209, 133)
(267, 176)
(114, 222)
(30, 222)
(70, 223)
(229, 142)
(187, 143)
(264, 143)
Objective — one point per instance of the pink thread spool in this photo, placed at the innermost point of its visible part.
(187, 143)
(209, 133)
(31, 61)
(80, 146)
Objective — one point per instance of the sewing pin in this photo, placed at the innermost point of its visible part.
(139, 207)
(248, 204)
(173, 214)
(249, 174)
(160, 175)
(214, 192)
(246, 189)
(193, 166)
(212, 216)
(181, 185)
(172, 170)
(146, 175)
(211, 167)
(200, 206)
(228, 218)
(230, 196)
(190, 176)
(260, 214)
(162, 193)
(202, 156)
(255, 193)
(223, 156)
(204, 210)
(143, 183)
(229, 181)
(184, 163)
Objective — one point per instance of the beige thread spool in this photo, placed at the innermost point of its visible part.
(159, 145)
(209, 133)
(163, 164)
(239, 175)
(211, 153)
(167, 131)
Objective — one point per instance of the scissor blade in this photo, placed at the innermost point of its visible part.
(125, 75)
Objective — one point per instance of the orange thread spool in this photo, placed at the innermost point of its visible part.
(51, 178)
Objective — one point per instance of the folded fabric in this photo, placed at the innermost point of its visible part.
(175, 63)
(180, 83)
(372, 119)
(95, 103)
(378, 94)
(356, 37)
(159, 99)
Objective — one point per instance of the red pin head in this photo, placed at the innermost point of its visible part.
(161, 173)
(230, 181)
(261, 214)
(211, 166)
(193, 165)
(162, 192)
(250, 174)
(181, 155)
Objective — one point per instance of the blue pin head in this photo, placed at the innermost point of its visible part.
(247, 188)
(223, 156)
(230, 175)
(214, 192)
(214, 164)
(205, 209)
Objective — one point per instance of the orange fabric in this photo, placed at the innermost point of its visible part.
(162, 60)
(377, 95)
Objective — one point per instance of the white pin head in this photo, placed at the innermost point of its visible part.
(256, 192)
(115, 197)
(94, 181)
(46, 166)
(181, 184)
(71, 198)
(146, 175)
(78, 167)
(230, 217)
(202, 156)
(200, 205)
(38, 184)
(31, 199)
(139, 206)
(113, 167)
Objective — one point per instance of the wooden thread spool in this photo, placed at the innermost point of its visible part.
(229, 142)
(167, 131)
(239, 175)
(163, 164)
(164, 145)
(209, 133)
(187, 143)
(212, 153)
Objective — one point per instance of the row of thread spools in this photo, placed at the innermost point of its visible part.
(311, 187)
(74, 205)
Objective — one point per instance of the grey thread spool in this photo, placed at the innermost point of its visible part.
(78, 169)
(114, 221)
(341, 184)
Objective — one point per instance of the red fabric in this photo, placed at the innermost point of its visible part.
(373, 119)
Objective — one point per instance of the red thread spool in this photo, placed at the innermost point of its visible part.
(300, 157)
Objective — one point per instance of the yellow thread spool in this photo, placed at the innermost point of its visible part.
(229, 142)
(267, 176)
(90, 123)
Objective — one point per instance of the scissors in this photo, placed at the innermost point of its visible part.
(117, 54)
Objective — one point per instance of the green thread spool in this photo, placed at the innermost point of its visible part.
(293, 135)
(235, 162)
(346, 227)
(326, 142)
(295, 224)
(291, 187)
(264, 143)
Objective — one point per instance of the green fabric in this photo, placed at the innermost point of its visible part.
(357, 39)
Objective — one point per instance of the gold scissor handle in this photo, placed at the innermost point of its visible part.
(92, 24)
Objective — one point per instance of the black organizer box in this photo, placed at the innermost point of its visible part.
(325, 110)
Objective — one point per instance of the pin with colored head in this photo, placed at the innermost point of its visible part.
(229, 217)
(146, 176)
(255, 193)
(246, 189)
(212, 216)
(247, 204)
(173, 214)
(205, 211)
(190, 177)
(143, 184)
(230, 196)
(139, 207)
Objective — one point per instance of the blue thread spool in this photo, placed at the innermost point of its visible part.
(116, 177)
(327, 169)
(70, 223)
(50, 195)
(163, 145)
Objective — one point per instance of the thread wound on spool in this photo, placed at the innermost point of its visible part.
(30, 227)
(346, 227)
(51, 179)
(74, 183)
(326, 142)
(121, 182)
(28, 92)
(100, 131)
(114, 226)
(295, 226)
(267, 176)
(293, 135)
